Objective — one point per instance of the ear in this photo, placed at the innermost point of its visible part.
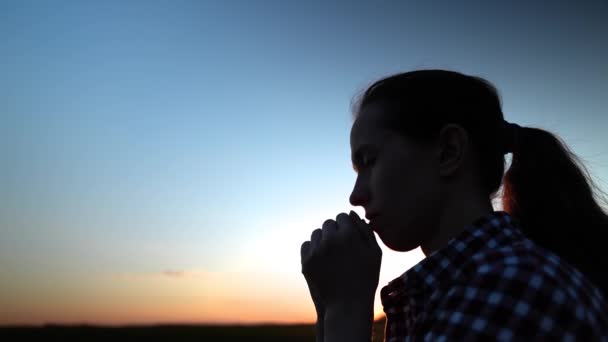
(453, 143)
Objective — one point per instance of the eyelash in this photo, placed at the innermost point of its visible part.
(366, 162)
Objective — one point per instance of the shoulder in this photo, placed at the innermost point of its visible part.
(522, 291)
(530, 267)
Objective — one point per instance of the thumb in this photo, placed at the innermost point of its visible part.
(364, 229)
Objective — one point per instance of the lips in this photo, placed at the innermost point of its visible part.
(370, 216)
(373, 222)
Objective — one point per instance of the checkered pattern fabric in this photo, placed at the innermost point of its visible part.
(492, 283)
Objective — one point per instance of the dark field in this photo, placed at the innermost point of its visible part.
(304, 332)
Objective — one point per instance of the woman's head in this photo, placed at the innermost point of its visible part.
(435, 137)
(413, 124)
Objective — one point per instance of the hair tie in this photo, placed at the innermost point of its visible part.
(510, 137)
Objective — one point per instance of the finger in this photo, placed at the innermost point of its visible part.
(330, 230)
(315, 240)
(305, 251)
(305, 256)
(364, 229)
(346, 226)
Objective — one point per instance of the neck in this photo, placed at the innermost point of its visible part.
(453, 220)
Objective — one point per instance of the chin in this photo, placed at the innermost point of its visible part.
(396, 243)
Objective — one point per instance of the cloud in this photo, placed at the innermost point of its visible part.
(167, 273)
(174, 273)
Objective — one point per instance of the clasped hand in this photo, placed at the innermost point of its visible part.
(341, 263)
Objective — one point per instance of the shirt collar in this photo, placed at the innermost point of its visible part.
(494, 230)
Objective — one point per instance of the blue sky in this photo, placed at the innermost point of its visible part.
(144, 136)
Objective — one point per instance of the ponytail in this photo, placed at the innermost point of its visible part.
(549, 191)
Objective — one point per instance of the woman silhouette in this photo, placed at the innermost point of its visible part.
(428, 148)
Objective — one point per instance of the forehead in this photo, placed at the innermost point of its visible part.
(369, 127)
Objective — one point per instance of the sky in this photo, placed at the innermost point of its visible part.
(163, 161)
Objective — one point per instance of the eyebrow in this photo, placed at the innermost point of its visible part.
(358, 154)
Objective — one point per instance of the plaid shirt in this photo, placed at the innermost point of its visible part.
(492, 283)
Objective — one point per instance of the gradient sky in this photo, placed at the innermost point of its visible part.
(162, 161)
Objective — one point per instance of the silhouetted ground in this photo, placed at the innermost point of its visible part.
(180, 333)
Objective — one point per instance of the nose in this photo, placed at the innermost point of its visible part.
(360, 194)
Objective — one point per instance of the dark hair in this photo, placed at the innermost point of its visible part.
(546, 189)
